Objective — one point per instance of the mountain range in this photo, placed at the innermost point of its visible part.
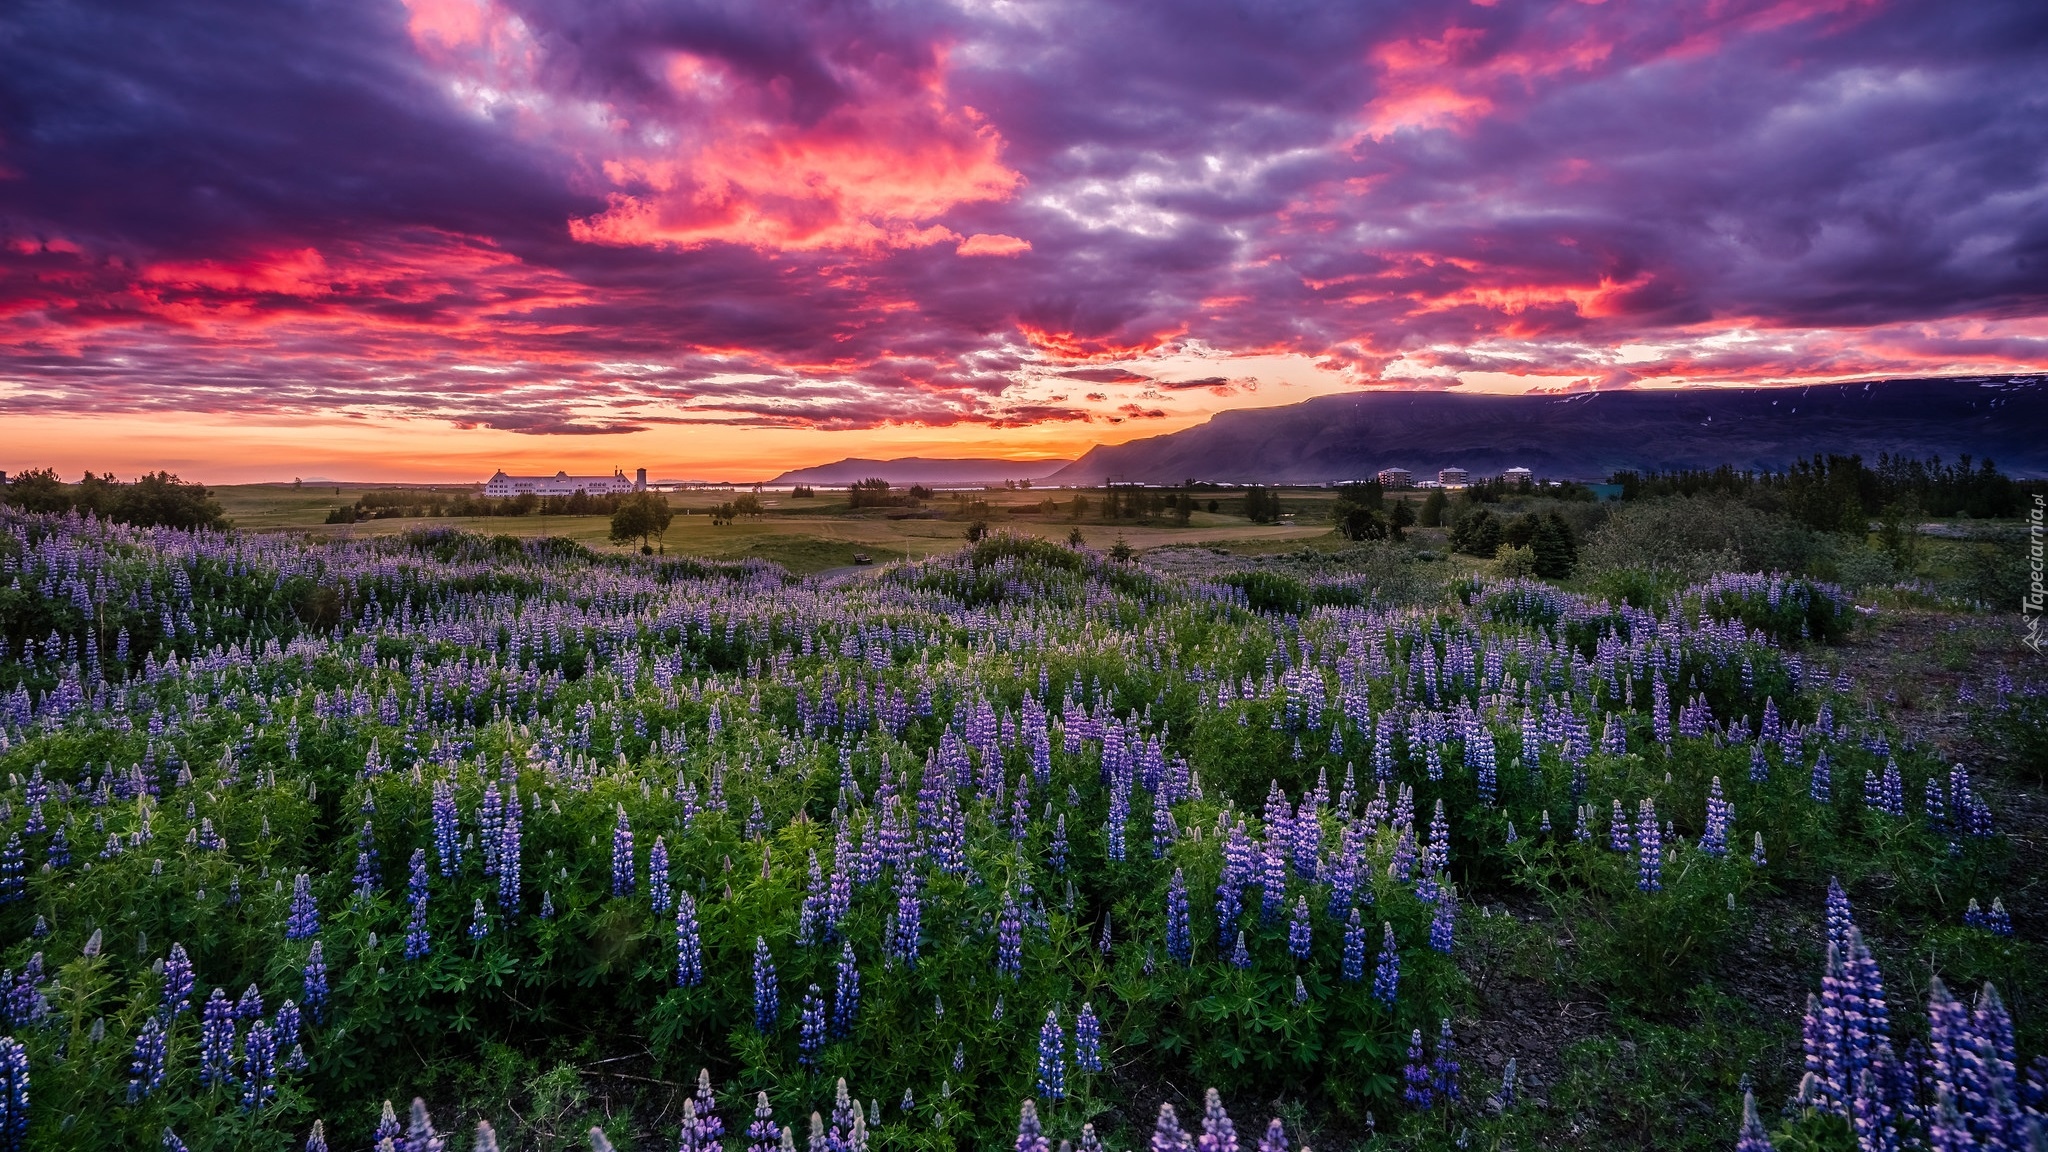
(922, 470)
(1590, 435)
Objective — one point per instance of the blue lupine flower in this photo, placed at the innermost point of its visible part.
(1416, 1077)
(767, 995)
(1052, 1057)
(658, 890)
(1714, 839)
(314, 983)
(13, 1095)
(216, 1040)
(1756, 854)
(1088, 1040)
(1167, 1134)
(622, 855)
(1822, 786)
(689, 949)
(1218, 1133)
(1444, 922)
(178, 977)
(1275, 1139)
(250, 1006)
(316, 1140)
(447, 829)
(1239, 956)
(811, 1028)
(1180, 942)
(1618, 830)
(1300, 991)
(259, 1066)
(303, 922)
(366, 862)
(1386, 980)
(1058, 852)
(1354, 948)
(909, 918)
(1752, 1137)
(845, 991)
(1010, 939)
(287, 1028)
(146, 1074)
(417, 938)
(13, 874)
(1649, 848)
(1443, 1073)
(479, 922)
(1298, 937)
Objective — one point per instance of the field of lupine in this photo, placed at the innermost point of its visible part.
(1011, 848)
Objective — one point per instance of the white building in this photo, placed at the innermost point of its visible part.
(1517, 475)
(1396, 478)
(563, 484)
(1451, 477)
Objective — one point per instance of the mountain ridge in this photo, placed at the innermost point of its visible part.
(1590, 435)
(922, 470)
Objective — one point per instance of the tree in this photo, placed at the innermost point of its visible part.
(1510, 561)
(723, 513)
(38, 490)
(1121, 551)
(1261, 506)
(977, 532)
(1433, 507)
(161, 500)
(1477, 533)
(1074, 538)
(642, 516)
(1079, 508)
(1555, 548)
(749, 505)
(1898, 533)
(1357, 512)
(1403, 516)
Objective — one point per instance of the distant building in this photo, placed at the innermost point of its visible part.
(1517, 475)
(563, 484)
(1396, 478)
(1452, 476)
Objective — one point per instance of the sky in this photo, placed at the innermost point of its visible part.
(423, 239)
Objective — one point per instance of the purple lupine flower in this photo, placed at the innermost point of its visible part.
(1275, 1139)
(811, 1028)
(259, 1066)
(1714, 839)
(1240, 957)
(1416, 1076)
(417, 938)
(13, 1095)
(1756, 854)
(479, 921)
(767, 995)
(287, 1029)
(447, 829)
(216, 1040)
(1088, 1040)
(1218, 1133)
(1180, 942)
(622, 855)
(509, 848)
(1386, 980)
(1030, 1133)
(659, 893)
(1759, 768)
(1052, 1057)
(146, 1074)
(710, 1126)
(1444, 922)
(1298, 937)
(250, 1006)
(1058, 852)
(1443, 1070)
(689, 949)
(13, 878)
(1506, 1096)
(178, 977)
(365, 879)
(1752, 1137)
(303, 922)
(1010, 939)
(1649, 848)
(1167, 1135)
(845, 991)
(763, 1135)
(1821, 790)
(909, 918)
(1998, 921)
(1618, 830)
(314, 983)
(1354, 949)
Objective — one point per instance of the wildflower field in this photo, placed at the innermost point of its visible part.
(1015, 846)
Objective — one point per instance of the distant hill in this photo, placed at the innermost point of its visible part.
(1589, 435)
(922, 470)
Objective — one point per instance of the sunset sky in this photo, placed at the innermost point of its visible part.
(368, 239)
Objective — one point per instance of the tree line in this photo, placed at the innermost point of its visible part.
(156, 500)
(1834, 493)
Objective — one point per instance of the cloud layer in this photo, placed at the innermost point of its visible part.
(553, 217)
